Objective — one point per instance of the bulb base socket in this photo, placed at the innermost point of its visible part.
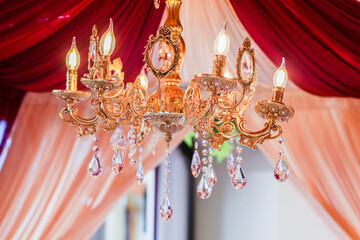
(71, 80)
(277, 94)
(219, 65)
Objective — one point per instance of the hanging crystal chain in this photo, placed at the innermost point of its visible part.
(166, 210)
(140, 169)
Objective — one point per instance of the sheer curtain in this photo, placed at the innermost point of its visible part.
(46, 191)
(322, 137)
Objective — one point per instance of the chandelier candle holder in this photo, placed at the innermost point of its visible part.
(215, 119)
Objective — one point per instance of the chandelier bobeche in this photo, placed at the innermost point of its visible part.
(215, 119)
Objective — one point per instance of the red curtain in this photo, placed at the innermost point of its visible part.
(36, 35)
(319, 39)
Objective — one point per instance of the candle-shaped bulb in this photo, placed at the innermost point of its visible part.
(73, 57)
(143, 79)
(107, 41)
(280, 76)
(222, 41)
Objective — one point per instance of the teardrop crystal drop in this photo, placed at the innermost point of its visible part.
(94, 168)
(281, 171)
(230, 166)
(211, 175)
(140, 173)
(204, 189)
(166, 210)
(195, 164)
(118, 140)
(246, 66)
(117, 163)
(239, 178)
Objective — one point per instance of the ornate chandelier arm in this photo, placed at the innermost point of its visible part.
(83, 126)
(252, 138)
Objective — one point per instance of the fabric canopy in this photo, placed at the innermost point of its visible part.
(51, 195)
(35, 37)
(319, 39)
(47, 192)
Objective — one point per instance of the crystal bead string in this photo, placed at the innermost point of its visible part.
(281, 171)
(166, 210)
(140, 169)
(118, 143)
(238, 179)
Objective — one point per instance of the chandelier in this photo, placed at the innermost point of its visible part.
(216, 117)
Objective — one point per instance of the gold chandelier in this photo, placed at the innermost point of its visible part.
(216, 118)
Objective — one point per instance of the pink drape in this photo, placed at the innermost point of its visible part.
(46, 192)
(323, 154)
(322, 137)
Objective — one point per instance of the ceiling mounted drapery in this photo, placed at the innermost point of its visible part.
(320, 40)
(35, 36)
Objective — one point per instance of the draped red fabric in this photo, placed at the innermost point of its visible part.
(36, 35)
(319, 39)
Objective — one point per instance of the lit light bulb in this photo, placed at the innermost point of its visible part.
(222, 41)
(143, 79)
(73, 57)
(280, 76)
(107, 41)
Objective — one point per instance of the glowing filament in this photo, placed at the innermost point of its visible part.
(222, 41)
(107, 41)
(280, 76)
(73, 57)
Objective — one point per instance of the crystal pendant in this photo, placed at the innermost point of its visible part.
(195, 164)
(157, 4)
(93, 51)
(281, 171)
(140, 173)
(117, 163)
(166, 210)
(118, 140)
(132, 136)
(246, 66)
(204, 189)
(239, 179)
(133, 161)
(94, 168)
(211, 175)
(230, 166)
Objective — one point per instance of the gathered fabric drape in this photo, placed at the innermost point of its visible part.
(36, 35)
(319, 39)
(322, 136)
(47, 193)
(321, 144)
